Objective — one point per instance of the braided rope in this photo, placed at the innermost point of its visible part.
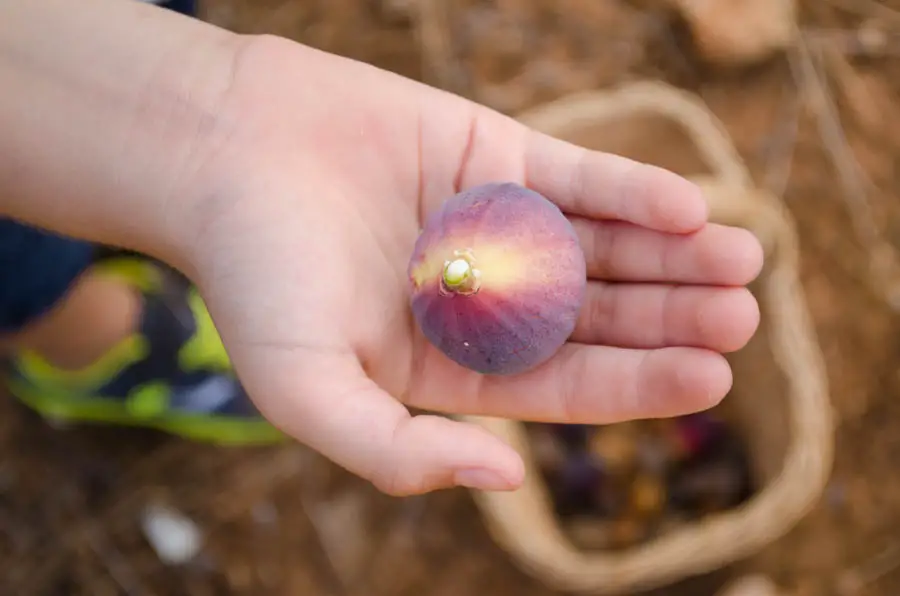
(523, 523)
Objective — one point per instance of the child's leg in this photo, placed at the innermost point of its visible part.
(73, 323)
(120, 340)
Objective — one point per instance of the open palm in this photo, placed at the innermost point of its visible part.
(324, 185)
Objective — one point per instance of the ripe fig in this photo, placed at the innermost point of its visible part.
(497, 278)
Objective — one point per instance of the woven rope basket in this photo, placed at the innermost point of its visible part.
(789, 432)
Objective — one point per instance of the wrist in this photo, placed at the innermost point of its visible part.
(109, 116)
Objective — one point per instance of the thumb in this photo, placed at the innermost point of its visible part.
(329, 403)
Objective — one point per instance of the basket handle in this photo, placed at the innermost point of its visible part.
(543, 550)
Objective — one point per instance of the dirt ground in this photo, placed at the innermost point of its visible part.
(284, 521)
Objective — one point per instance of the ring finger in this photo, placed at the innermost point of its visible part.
(651, 316)
(715, 255)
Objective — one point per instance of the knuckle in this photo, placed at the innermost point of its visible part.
(395, 483)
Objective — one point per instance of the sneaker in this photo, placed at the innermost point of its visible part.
(172, 374)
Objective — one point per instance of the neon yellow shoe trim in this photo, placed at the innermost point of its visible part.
(44, 375)
(140, 273)
(204, 350)
(148, 401)
(206, 428)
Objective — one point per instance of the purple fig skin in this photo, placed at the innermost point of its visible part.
(520, 278)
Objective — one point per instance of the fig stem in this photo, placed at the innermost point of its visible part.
(457, 272)
(459, 276)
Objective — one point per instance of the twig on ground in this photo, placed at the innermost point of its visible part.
(338, 581)
(869, 40)
(853, 90)
(884, 272)
(867, 8)
(852, 581)
(780, 159)
(116, 565)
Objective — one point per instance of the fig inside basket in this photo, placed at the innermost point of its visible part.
(778, 407)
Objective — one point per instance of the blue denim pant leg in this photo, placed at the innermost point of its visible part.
(37, 268)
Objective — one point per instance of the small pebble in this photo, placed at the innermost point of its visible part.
(175, 537)
(872, 37)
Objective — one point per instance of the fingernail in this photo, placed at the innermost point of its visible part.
(481, 478)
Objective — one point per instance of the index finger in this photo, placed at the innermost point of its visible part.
(600, 185)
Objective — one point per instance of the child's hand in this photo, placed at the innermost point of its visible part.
(318, 192)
